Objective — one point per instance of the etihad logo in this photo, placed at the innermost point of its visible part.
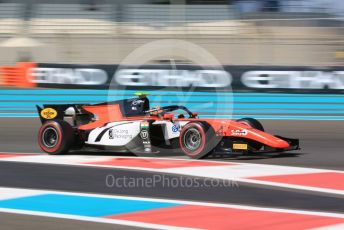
(308, 79)
(173, 78)
(49, 113)
(74, 76)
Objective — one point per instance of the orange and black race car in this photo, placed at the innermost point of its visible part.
(131, 125)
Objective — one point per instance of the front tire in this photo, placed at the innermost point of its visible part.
(196, 139)
(256, 125)
(56, 137)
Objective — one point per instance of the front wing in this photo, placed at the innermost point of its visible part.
(242, 147)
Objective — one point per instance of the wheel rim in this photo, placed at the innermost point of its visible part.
(50, 137)
(192, 139)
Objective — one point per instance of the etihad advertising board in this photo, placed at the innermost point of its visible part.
(187, 77)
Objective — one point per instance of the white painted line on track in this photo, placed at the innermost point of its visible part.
(10, 193)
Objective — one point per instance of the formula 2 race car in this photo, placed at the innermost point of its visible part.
(131, 125)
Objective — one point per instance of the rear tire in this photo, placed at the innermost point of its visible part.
(56, 137)
(197, 139)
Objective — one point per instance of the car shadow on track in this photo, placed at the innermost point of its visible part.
(180, 155)
(255, 157)
(95, 152)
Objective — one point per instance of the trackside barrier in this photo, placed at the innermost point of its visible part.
(262, 79)
(16, 76)
(163, 77)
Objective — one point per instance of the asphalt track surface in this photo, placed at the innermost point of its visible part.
(322, 147)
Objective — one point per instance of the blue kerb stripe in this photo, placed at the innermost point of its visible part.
(264, 105)
(81, 205)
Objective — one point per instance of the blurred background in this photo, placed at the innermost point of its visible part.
(269, 48)
(236, 32)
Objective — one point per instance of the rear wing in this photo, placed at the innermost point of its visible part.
(128, 107)
(54, 112)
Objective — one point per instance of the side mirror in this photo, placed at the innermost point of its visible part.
(168, 116)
